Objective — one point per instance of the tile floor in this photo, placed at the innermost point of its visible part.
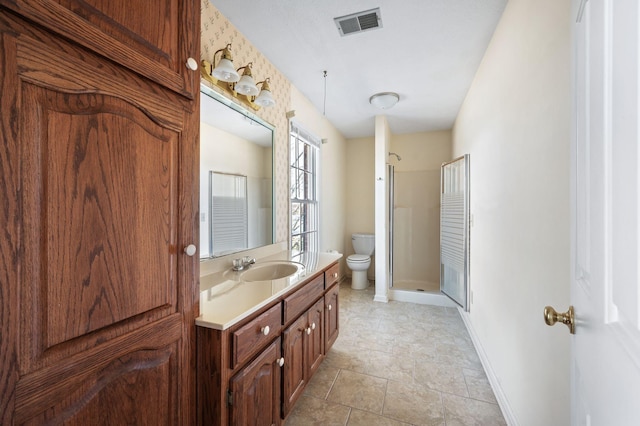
(398, 364)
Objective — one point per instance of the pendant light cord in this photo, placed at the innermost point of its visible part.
(324, 105)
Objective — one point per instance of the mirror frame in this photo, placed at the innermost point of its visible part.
(215, 95)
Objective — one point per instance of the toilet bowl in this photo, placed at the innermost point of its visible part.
(359, 263)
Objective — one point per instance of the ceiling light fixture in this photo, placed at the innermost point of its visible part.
(225, 70)
(384, 100)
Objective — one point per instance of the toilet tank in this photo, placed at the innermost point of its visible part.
(363, 243)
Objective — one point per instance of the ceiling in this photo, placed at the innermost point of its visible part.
(427, 51)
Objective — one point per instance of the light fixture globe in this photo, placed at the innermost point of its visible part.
(384, 100)
(225, 71)
(246, 85)
(265, 99)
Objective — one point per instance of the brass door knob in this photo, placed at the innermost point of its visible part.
(568, 318)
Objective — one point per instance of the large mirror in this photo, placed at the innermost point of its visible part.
(236, 177)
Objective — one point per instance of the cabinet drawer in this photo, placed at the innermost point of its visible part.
(253, 336)
(331, 275)
(295, 304)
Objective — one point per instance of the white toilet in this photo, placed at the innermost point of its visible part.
(364, 245)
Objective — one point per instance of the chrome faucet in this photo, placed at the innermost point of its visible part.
(243, 263)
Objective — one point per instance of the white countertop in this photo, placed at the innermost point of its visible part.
(225, 299)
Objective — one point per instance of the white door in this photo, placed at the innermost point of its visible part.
(605, 369)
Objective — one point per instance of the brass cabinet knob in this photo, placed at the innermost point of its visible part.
(568, 318)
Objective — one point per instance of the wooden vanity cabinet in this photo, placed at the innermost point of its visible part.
(331, 317)
(249, 377)
(303, 349)
(254, 392)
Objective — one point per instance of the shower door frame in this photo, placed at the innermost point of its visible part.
(391, 201)
(465, 301)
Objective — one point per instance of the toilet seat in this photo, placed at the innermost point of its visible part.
(358, 258)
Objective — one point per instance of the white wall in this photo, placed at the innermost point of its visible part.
(515, 123)
(360, 192)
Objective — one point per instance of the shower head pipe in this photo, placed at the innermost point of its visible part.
(397, 156)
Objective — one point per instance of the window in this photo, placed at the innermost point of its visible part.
(304, 153)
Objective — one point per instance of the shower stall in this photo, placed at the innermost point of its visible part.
(415, 233)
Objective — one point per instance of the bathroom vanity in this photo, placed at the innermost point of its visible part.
(259, 342)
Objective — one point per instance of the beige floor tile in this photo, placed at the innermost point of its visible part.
(479, 386)
(311, 411)
(441, 377)
(387, 366)
(386, 358)
(470, 412)
(322, 381)
(359, 391)
(413, 403)
(364, 418)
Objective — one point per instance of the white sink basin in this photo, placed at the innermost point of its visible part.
(270, 271)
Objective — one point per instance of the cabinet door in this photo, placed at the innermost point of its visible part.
(154, 39)
(331, 317)
(295, 364)
(99, 191)
(255, 390)
(315, 340)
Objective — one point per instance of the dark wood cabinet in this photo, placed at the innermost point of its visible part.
(303, 349)
(99, 182)
(331, 321)
(254, 391)
(315, 338)
(152, 41)
(235, 359)
(295, 370)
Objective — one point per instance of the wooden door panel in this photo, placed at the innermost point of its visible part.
(295, 363)
(102, 200)
(153, 40)
(315, 346)
(97, 302)
(331, 322)
(108, 191)
(132, 388)
(256, 390)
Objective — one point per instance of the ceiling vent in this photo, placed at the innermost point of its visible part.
(359, 22)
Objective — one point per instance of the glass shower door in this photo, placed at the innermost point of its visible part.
(454, 230)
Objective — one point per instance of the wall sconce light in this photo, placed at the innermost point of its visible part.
(227, 78)
(265, 99)
(246, 85)
(384, 100)
(225, 70)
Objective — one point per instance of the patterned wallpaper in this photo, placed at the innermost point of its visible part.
(216, 33)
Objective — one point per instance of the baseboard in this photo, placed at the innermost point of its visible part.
(503, 402)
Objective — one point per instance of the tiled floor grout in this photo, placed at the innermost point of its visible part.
(439, 363)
